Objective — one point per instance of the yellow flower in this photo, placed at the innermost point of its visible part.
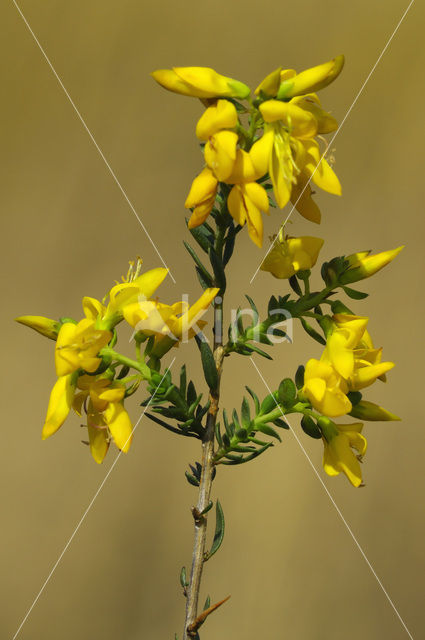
(363, 265)
(170, 324)
(201, 197)
(152, 317)
(270, 85)
(365, 410)
(47, 327)
(78, 345)
(220, 115)
(350, 350)
(200, 82)
(106, 415)
(294, 155)
(339, 441)
(326, 389)
(60, 404)
(136, 287)
(290, 255)
(313, 79)
(248, 199)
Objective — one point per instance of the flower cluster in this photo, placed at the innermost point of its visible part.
(280, 143)
(349, 363)
(86, 364)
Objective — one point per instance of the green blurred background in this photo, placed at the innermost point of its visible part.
(290, 564)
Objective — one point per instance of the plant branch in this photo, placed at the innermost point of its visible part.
(207, 474)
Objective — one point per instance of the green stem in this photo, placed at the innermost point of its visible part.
(129, 362)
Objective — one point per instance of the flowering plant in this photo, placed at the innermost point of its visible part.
(260, 151)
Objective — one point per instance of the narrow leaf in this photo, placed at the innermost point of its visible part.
(197, 261)
(295, 285)
(245, 414)
(269, 431)
(255, 398)
(355, 295)
(219, 530)
(218, 268)
(312, 332)
(208, 363)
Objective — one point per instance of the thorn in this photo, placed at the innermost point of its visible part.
(193, 628)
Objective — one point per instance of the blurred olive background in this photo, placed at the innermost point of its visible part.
(289, 562)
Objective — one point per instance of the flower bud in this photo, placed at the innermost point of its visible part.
(363, 265)
(200, 82)
(311, 79)
(365, 410)
(45, 326)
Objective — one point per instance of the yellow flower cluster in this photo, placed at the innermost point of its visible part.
(349, 363)
(78, 355)
(285, 121)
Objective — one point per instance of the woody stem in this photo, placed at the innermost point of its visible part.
(207, 474)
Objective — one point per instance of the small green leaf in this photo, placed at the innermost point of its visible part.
(287, 392)
(242, 434)
(299, 377)
(279, 422)
(124, 371)
(183, 579)
(191, 479)
(191, 393)
(255, 398)
(312, 332)
(207, 603)
(203, 237)
(269, 403)
(218, 434)
(218, 268)
(227, 425)
(183, 380)
(245, 414)
(269, 431)
(208, 363)
(219, 530)
(197, 261)
(203, 281)
(253, 307)
(339, 307)
(260, 352)
(295, 285)
(207, 508)
(310, 427)
(355, 295)
(354, 397)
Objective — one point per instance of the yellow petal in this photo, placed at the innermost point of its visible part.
(235, 205)
(260, 155)
(319, 170)
(119, 424)
(301, 199)
(92, 308)
(221, 115)
(66, 360)
(99, 445)
(206, 81)
(200, 213)
(270, 85)
(325, 122)
(220, 153)
(60, 404)
(311, 79)
(299, 122)
(203, 188)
